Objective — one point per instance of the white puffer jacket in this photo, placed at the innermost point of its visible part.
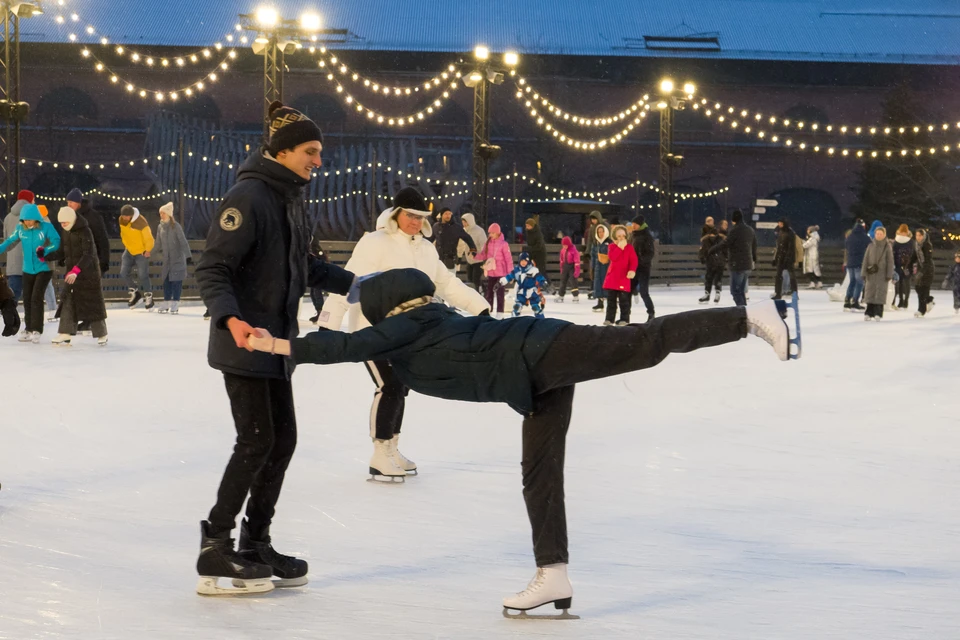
(389, 248)
(811, 254)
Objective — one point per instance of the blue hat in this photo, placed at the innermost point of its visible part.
(75, 195)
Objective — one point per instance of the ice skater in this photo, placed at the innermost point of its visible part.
(39, 239)
(137, 240)
(172, 243)
(569, 270)
(81, 298)
(254, 270)
(530, 285)
(530, 364)
(8, 309)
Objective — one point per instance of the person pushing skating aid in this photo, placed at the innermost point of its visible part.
(530, 364)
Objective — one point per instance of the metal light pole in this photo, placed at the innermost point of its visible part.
(483, 152)
(275, 38)
(12, 111)
(674, 99)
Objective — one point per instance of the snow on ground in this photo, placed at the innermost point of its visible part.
(722, 495)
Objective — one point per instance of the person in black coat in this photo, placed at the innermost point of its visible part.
(785, 258)
(530, 364)
(646, 251)
(446, 235)
(740, 247)
(714, 263)
(317, 296)
(81, 297)
(253, 272)
(855, 248)
(535, 245)
(98, 228)
(8, 309)
(924, 269)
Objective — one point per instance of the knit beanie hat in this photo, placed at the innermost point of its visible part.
(903, 230)
(167, 209)
(640, 220)
(531, 222)
(66, 215)
(493, 228)
(289, 128)
(737, 216)
(411, 200)
(43, 210)
(25, 195)
(75, 195)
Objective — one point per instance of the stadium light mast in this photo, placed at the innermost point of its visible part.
(12, 111)
(673, 98)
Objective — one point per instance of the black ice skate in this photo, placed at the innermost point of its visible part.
(134, 299)
(219, 560)
(704, 299)
(288, 571)
(148, 301)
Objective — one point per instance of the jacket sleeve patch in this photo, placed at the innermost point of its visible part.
(231, 219)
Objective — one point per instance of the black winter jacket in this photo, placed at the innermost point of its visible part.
(715, 260)
(99, 229)
(741, 246)
(536, 247)
(643, 244)
(446, 235)
(856, 245)
(78, 249)
(257, 264)
(926, 268)
(433, 349)
(785, 256)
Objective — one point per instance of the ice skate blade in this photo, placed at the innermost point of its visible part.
(522, 614)
(378, 478)
(207, 586)
(279, 583)
(796, 340)
(412, 472)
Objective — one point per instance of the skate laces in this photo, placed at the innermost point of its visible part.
(538, 581)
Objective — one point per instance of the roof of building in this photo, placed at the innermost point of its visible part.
(874, 31)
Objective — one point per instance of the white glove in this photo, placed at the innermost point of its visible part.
(631, 275)
(503, 281)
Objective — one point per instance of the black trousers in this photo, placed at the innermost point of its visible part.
(566, 276)
(778, 281)
(641, 285)
(34, 288)
(389, 400)
(713, 279)
(626, 302)
(266, 424)
(923, 295)
(874, 310)
(903, 292)
(581, 353)
(475, 275)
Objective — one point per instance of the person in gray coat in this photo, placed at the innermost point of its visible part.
(15, 255)
(172, 242)
(877, 270)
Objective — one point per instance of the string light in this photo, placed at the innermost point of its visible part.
(535, 96)
(380, 118)
(596, 195)
(113, 197)
(829, 150)
(582, 145)
(160, 95)
(447, 78)
(754, 119)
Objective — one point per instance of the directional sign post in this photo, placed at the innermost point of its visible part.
(759, 209)
(766, 225)
(767, 203)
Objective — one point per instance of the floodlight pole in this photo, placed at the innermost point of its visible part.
(666, 174)
(10, 154)
(481, 137)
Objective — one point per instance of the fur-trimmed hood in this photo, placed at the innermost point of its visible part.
(387, 221)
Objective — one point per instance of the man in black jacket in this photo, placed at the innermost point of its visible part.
(253, 273)
(785, 258)
(98, 228)
(446, 235)
(530, 364)
(535, 245)
(741, 245)
(646, 250)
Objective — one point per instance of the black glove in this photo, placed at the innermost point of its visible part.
(190, 261)
(773, 264)
(485, 312)
(11, 319)
(104, 268)
(40, 254)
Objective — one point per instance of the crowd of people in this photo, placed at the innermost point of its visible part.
(76, 241)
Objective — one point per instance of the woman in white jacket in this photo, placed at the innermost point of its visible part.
(397, 243)
(811, 257)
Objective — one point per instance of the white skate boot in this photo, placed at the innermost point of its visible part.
(767, 320)
(102, 341)
(25, 336)
(384, 466)
(549, 586)
(62, 340)
(405, 463)
(163, 307)
(175, 307)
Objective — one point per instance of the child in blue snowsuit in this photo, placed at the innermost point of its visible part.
(530, 285)
(952, 281)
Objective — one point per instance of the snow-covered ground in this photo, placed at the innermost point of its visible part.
(722, 495)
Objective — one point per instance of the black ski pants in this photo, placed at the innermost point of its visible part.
(923, 297)
(581, 353)
(567, 278)
(713, 279)
(903, 292)
(641, 285)
(626, 302)
(266, 423)
(34, 288)
(389, 400)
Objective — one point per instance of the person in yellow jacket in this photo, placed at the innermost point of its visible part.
(137, 244)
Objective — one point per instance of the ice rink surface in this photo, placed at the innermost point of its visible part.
(723, 494)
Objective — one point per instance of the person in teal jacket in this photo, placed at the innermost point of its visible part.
(39, 239)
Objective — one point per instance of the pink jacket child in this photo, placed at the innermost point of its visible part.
(570, 255)
(498, 251)
(623, 265)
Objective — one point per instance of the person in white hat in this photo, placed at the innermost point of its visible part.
(172, 242)
(81, 297)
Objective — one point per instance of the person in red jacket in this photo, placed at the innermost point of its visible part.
(621, 269)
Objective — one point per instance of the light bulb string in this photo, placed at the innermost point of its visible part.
(333, 63)
(160, 94)
(535, 97)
